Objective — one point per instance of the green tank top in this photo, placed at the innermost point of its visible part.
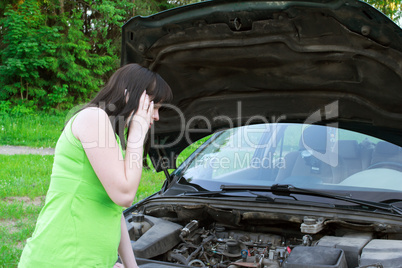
(79, 225)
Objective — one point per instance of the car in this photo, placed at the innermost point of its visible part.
(295, 110)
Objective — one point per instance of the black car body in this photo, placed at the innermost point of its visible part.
(302, 100)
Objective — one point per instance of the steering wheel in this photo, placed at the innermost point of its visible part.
(393, 165)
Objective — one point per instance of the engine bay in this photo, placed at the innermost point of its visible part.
(194, 238)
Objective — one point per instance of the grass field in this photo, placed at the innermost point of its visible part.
(32, 130)
(24, 179)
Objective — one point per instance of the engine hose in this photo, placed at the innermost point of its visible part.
(192, 255)
(180, 258)
(196, 261)
(182, 238)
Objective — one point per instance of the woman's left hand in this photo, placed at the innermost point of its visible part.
(118, 265)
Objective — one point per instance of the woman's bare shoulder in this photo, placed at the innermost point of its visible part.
(89, 119)
(89, 114)
(92, 111)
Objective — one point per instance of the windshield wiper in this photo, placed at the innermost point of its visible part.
(223, 192)
(288, 190)
(204, 193)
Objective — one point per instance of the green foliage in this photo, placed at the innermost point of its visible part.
(58, 53)
(28, 49)
(5, 107)
(393, 9)
(59, 95)
(77, 72)
(21, 110)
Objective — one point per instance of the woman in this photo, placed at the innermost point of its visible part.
(81, 223)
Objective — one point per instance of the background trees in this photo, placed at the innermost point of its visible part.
(392, 9)
(56, 53)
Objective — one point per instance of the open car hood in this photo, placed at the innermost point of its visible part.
(231, 63)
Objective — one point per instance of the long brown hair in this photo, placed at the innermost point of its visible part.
(131, 79)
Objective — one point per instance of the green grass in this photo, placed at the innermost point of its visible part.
(39, 130)
(25, 175)
(24, 180)
(17, 222)
(189, 150)
(151, 182)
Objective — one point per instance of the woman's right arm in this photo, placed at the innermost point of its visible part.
(119, 178)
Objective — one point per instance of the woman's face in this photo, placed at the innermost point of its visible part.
(155, 114)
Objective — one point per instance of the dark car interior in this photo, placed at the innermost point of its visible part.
(352, 157)
(317, 158)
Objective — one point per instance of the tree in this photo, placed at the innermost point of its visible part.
(393, 9)
(28, 45)
(56, 53)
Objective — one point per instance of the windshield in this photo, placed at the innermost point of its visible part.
(308, 156)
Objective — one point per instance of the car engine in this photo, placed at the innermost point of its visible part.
(316, 242)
